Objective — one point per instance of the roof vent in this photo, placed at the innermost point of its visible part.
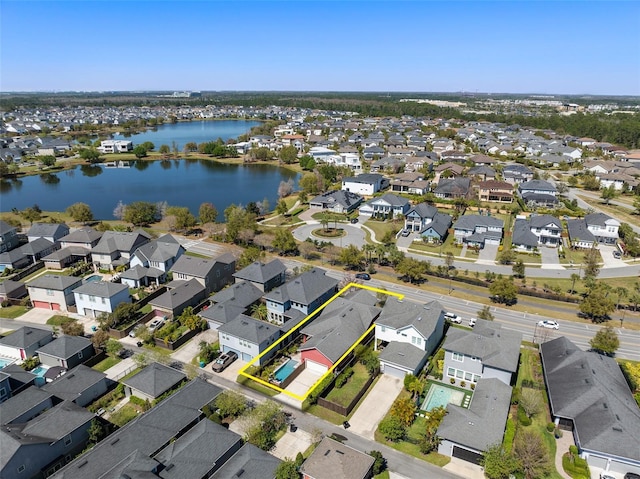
(170, 466)
(340, 452)
(327, 452)
(617, 428)
(240, 472)
(83, 463)
(114, 441)
(605, 405)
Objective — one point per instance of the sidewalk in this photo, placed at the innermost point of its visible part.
(562, 446)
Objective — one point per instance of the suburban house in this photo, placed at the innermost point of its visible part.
(538, 193)
(603, 227)
(53, 232)
(44, 443)
(495, 191)
(213, 274)
(337, 201)
(8, 237)
(589, 396)
(248, 337)
(306, 293)
(516, 174)
(338, 327)
(24, 342)
(52, 291)
(365, 184)
(14, 379)
(466, 433)
(385, 206)
(411, 183)
(179, 295)
(85, 237)
(81, 385)
(230, 303)
(537, 230)
(14, 259)
(160, 253)
(481, 173)
(579, 234)
(66, 351)
(254, 462)
(115, 146)
(265, 277)
(447, 170)
(418, 328)
(332, 460)
(425, 219)
(478, 230)
(116, 247)
(75, 246)
(10, 289)
(98, 297)
(140, 276)
(453, 188)
(153, 381)
(489, 351)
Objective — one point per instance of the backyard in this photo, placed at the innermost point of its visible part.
(345, 394)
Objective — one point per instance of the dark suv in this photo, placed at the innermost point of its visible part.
(631, 475)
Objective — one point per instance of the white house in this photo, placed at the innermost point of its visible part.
(100, 297)
(115, 146)
(248, 337)
(365, 184)
(52, 291)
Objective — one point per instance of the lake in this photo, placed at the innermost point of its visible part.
(191, 131)
(184, 182)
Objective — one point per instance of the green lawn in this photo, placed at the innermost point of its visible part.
(59, 320)
(348, 391)
(380, 228)
(12, 312)
(196, 255)
(106, 363)
(123, 415)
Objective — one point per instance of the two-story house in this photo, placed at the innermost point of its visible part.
(425, 219)
(495, 191)
(337, 201)
(151, 261)
(265, 277)
(603, 227)
(24, 342)
(366, 184)
(478, 230)
(116, 247)
(306, 293)
(409, 333)
(8, 237)
(537, 230)
(98, 297)
(213, 274)
(386, 206)
(52, 291)
(538, 193)
(53, 232)
(411, 183)
(248, 337)
(489, 351)
(516, 174)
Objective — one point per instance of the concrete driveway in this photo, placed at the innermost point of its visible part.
(39, 315)
(487, 255)
(606, 252)
(549, 258)
(375, 406)
(354, 235)
(291, 444)
(191, 349)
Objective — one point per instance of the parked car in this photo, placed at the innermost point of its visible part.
(606, 476)
(631, 475)
(453, 317)
(617, 255)
(472, 322)
(155, 324)
(550, 324)
(365, 276)
(354, 220)
(405, 233)
(224, 361)
(134, 332)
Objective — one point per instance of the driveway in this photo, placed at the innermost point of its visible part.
(549, 258)
(191, 349)
(487, 255)
(39, 315)
(405, 241)
(354, 235)
(291, 444)
(374, 407)
(606, 251)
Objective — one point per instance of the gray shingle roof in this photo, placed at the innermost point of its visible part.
(65, 346)
(599, 219)
(366, 178)
(590, 389)
(102, 289)
(346, 199)
(540, 185)
(497, 347)
(424, 210)
(6, 227)
(484, 422)
(25, 337)
(332, 459)
(578, 230)
(453, 186)
(223, 312)
(48, 229)
(242, 294)
(8, 287)
(54, 423)
(538, 221)
(470, 222)
(403, 355)
(36, 246)
(393, 200)
(253, 462)
(184, 293)
(522, 234)
(261, 273)
(399, 314)
(192, 266)
(160, 250)
(73, 383)
(304, 289)
(83, 235)
(16, 406)
(249, 329)
(155, 379)
(112, 241)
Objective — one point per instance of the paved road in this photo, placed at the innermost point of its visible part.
(355, 235)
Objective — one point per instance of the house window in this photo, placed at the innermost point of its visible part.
(467, 376)
(476, 378)
(80, 297)
(457, 357)
(67, 440)
(383, 329)
(459, 373)
(218, 274)
(3, 393)
(92, 299)
(451, 372)
(103, 301)
(49, 292)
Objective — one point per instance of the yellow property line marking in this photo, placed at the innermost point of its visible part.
(243, 371)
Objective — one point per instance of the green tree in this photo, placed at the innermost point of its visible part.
(140, 151)
(532, 454)
(263, 424)
(351, 257)
(485, 313)
(412, 269)
(605, 341)
(164, 149)
(48, 160)
(287, 469)
(190, 319)
(518, 269)
(590, 182)
(260, 311)
(91, 155)
(507, 256)
(608, 194)
(207, 213)
(95, 431)
(183, 219)
(284, 242)
(530, 401)
(636, 205)
(404, 409)
(100, 339)
(499, 464)
(231, 403)
(31, 214)
(414, 385)
(72, 328)
(140, 213)
(80, 212)
(503, 290)
(310, 184)
(574, 277)
(191, 147)
(289, 155)
(379, 463)
(113, 347)
(238, 219)
(281, 207)
(591, 263)
(392, 428)
(598, 304)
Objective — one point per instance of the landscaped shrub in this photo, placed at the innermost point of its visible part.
(452, 380)
(522, 417)
(473, 386)
(577, 467)
(392, 428)
(463, 384)
(515, 396)
(145, 405)
(550, 427)
(509, 435)
(344, 377)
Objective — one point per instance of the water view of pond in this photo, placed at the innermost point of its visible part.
(184, 182)
(192, 131)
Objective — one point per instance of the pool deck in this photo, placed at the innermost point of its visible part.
(464, 401)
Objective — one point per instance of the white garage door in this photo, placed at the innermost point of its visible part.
(393, 371)
(316, 367)
(492, 241)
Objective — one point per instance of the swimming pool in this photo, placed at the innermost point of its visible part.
(93, 278)
(284, 371)
(440, 395)
(5, 362)
(40, 370)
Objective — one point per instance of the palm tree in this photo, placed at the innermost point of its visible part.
(574, 277)
(368, 250)
(381, 253)
(622, 292)
(259, 311)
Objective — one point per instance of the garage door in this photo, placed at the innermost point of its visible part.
(393, 371)
(316, 367)
(466, 455)
(41, 304)
(492, 241)
(226, 349)
(55, 306)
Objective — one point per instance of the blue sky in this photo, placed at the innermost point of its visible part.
(518, 47)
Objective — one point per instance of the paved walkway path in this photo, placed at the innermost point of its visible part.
(562, 446)
(120, 369)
